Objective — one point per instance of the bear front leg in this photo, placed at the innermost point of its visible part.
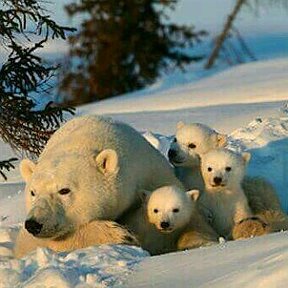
(194, 239)
(26, 243)
(108, 232)
(95, 233)
(250, 227)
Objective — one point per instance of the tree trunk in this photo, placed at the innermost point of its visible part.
(221, 38)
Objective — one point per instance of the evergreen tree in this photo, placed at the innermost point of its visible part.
(24, 28)
(122, 46)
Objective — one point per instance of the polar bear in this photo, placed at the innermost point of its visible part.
(168, 221)
(194, 140)
(90, 170)
(224, 201)
(190, 142)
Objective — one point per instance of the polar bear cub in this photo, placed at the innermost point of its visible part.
(167, 214)
(191, 141)
(223, 201)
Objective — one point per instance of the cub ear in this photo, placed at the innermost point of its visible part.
(246, 157)
(180, 124)
(194, 194)
(27, 168)
(221, 140)
(144, 195)
(107, 161)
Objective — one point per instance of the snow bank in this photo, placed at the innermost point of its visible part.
(261, 262)
(263, 81)
(102, 266)
(266, 139)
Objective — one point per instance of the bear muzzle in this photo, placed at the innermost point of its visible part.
(33, 227)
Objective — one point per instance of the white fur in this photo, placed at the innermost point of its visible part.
(159, 206)
(225, 203)
(186, 158)
(102, 162)
(262, 197)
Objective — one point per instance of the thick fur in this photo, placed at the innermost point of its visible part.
(224, 201)
(90, 169)
(93, 233)
(262, 197)
(186, 229)
(190, 142)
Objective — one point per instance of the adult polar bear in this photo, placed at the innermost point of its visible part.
(90, 170)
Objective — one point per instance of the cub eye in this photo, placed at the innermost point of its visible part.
(32, 193)
(175, 140)
(209, 169)
(156, 211)
(176, 210)
(228, 169)
(64, 191)
(192, 146)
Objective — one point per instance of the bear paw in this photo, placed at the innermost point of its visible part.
(250, 227)
(117, 234)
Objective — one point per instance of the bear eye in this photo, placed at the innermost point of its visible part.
(174, 140)
(228, 169)
(64, 191)
(192, 146)
(156, 211)
(176, 210)
(32, 193)
(209, 169)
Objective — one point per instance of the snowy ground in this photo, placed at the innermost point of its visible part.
(244, 102)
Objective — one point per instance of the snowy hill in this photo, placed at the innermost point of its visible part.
(228, 101)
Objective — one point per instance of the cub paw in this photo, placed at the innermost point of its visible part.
(250, 227)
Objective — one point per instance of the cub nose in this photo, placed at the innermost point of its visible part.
(217, 180)
(172, 153)
(33, 227)
(164, 225)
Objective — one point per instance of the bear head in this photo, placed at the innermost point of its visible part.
(64, 191)
(222, 168)
(191, 141)
(170, 208)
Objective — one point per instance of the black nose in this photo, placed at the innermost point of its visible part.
(164, 225)
(33, 227)
(172, 153)
(217, 180)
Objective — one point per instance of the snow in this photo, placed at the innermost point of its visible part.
(259, 262)
(249, 102)
(256, 82)
(91, 267)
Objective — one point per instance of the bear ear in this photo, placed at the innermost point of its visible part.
(194, 194)
(246, 157)
(27, 168)
(107, 161)
(144, 195)
(180, 124)
(221, 140)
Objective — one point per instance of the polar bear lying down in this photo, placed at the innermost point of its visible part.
(87, 176)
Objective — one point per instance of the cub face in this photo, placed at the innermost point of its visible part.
(169, 208)
(191, 141)
(223, 168)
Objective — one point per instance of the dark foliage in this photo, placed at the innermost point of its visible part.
(122, 46)
(24, 28)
